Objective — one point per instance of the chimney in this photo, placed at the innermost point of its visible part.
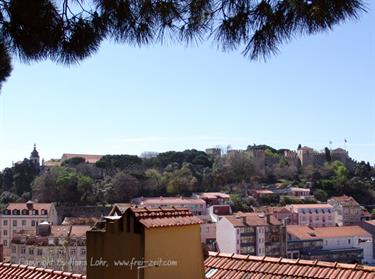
(29, 205)
(268, 216)
(43, 229)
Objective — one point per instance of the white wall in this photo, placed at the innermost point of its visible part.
(226, 236)
(343, 242)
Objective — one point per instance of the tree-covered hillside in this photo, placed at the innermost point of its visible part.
(119, 178)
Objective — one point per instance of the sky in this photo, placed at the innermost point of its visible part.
(126, 100)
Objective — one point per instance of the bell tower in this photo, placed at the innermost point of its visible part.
(34, 157)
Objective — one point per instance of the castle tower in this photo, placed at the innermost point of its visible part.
(34, 157)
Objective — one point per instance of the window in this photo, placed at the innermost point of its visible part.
(5, 222)
(23, 250)
(14, 223)
(40, 252)
(5, 232)
(31, 251)
(349, 241)
(83, 252)
(5, 242)
(23, 222)
(72, 252)
(14, 250)
(33, 223)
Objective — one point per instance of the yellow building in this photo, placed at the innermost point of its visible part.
(146, 243)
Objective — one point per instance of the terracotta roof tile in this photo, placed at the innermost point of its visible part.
(22, 205)
(240, 219)
(149, 201)
(164, 217)
(306, 232)
(15, 271)
(219, 265)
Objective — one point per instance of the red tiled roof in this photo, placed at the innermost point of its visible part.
(240, 219)
(15, 271)
(79, 230)
(345, 199)
(220, 265)
(164, 217)
(23, 205)
(305, 232)
(90, 221)
(145, 201)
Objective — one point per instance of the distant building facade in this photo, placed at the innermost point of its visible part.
(213, 198)
(251, 234)
(24, 216)
(314, 215)
(51, 246)
(348, 210)
(350, 244)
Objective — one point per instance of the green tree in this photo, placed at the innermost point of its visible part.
(85, 189)
(75, 161)
(321, 195)
(23, 175)
(242, 203)
(7, 178)
(69, 31)
(122, 188)
(181, 182)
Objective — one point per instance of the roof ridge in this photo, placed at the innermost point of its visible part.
(301, 262)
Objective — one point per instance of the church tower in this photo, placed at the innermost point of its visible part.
(34, 157)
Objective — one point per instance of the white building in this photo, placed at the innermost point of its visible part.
(336, 238)
(208, 228)
(315, 215)
(24, 216)
(251, 234)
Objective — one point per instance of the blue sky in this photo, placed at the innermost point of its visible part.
(171, 97)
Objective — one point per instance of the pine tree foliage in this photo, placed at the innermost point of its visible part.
(67, 31)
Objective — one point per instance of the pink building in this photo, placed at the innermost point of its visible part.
(314, 215)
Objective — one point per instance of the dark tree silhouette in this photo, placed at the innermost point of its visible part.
(67, 31)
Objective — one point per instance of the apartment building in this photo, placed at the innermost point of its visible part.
(348, 210)
(51, 246)
(350, 244)
(195, 205)
(24, 216)
(314, 215)
(251, 234)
